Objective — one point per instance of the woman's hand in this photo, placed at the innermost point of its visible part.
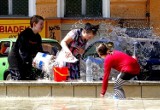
(101, 95)
(80, 50)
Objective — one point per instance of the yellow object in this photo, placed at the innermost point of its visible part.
(10, 28)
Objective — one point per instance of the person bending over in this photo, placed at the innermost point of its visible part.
(74, 43)
(125, 64)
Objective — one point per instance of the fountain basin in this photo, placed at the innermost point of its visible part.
(136, 89)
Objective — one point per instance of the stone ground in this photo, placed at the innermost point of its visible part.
(70, 103)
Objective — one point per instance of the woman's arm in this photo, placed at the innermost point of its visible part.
(64, 43)
(107, 69)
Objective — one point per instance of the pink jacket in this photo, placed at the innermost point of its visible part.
(121, 62)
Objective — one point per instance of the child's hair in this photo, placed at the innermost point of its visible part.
(91, 28)
(102, 49)
(35, 19)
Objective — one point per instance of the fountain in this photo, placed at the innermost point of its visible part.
(137, 43)
(50, 95)
(140, 47)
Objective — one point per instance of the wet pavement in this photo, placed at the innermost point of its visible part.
(70, 103)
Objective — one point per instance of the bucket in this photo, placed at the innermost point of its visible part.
(60, 73)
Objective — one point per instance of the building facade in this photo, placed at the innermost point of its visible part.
(61, 15)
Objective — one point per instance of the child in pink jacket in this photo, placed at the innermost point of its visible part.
(125, 64)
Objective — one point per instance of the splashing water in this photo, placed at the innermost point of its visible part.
(126, 40)
(123, 41)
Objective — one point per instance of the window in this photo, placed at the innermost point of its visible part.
(80, 8)
(14, 7)
(4, 48)
(20, 7)
(3, 7)
(51, 47)
(94, 8)
(72, 8)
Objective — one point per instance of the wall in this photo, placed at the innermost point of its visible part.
(133, 13)
(57, 28)
(155, 16)
(46, 8)
(134, 89)
(10, 27)
(128, 9)
(53, 28)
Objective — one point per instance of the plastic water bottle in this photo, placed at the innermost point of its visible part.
(89, 75)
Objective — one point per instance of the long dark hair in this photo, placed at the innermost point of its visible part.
(91, 28)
